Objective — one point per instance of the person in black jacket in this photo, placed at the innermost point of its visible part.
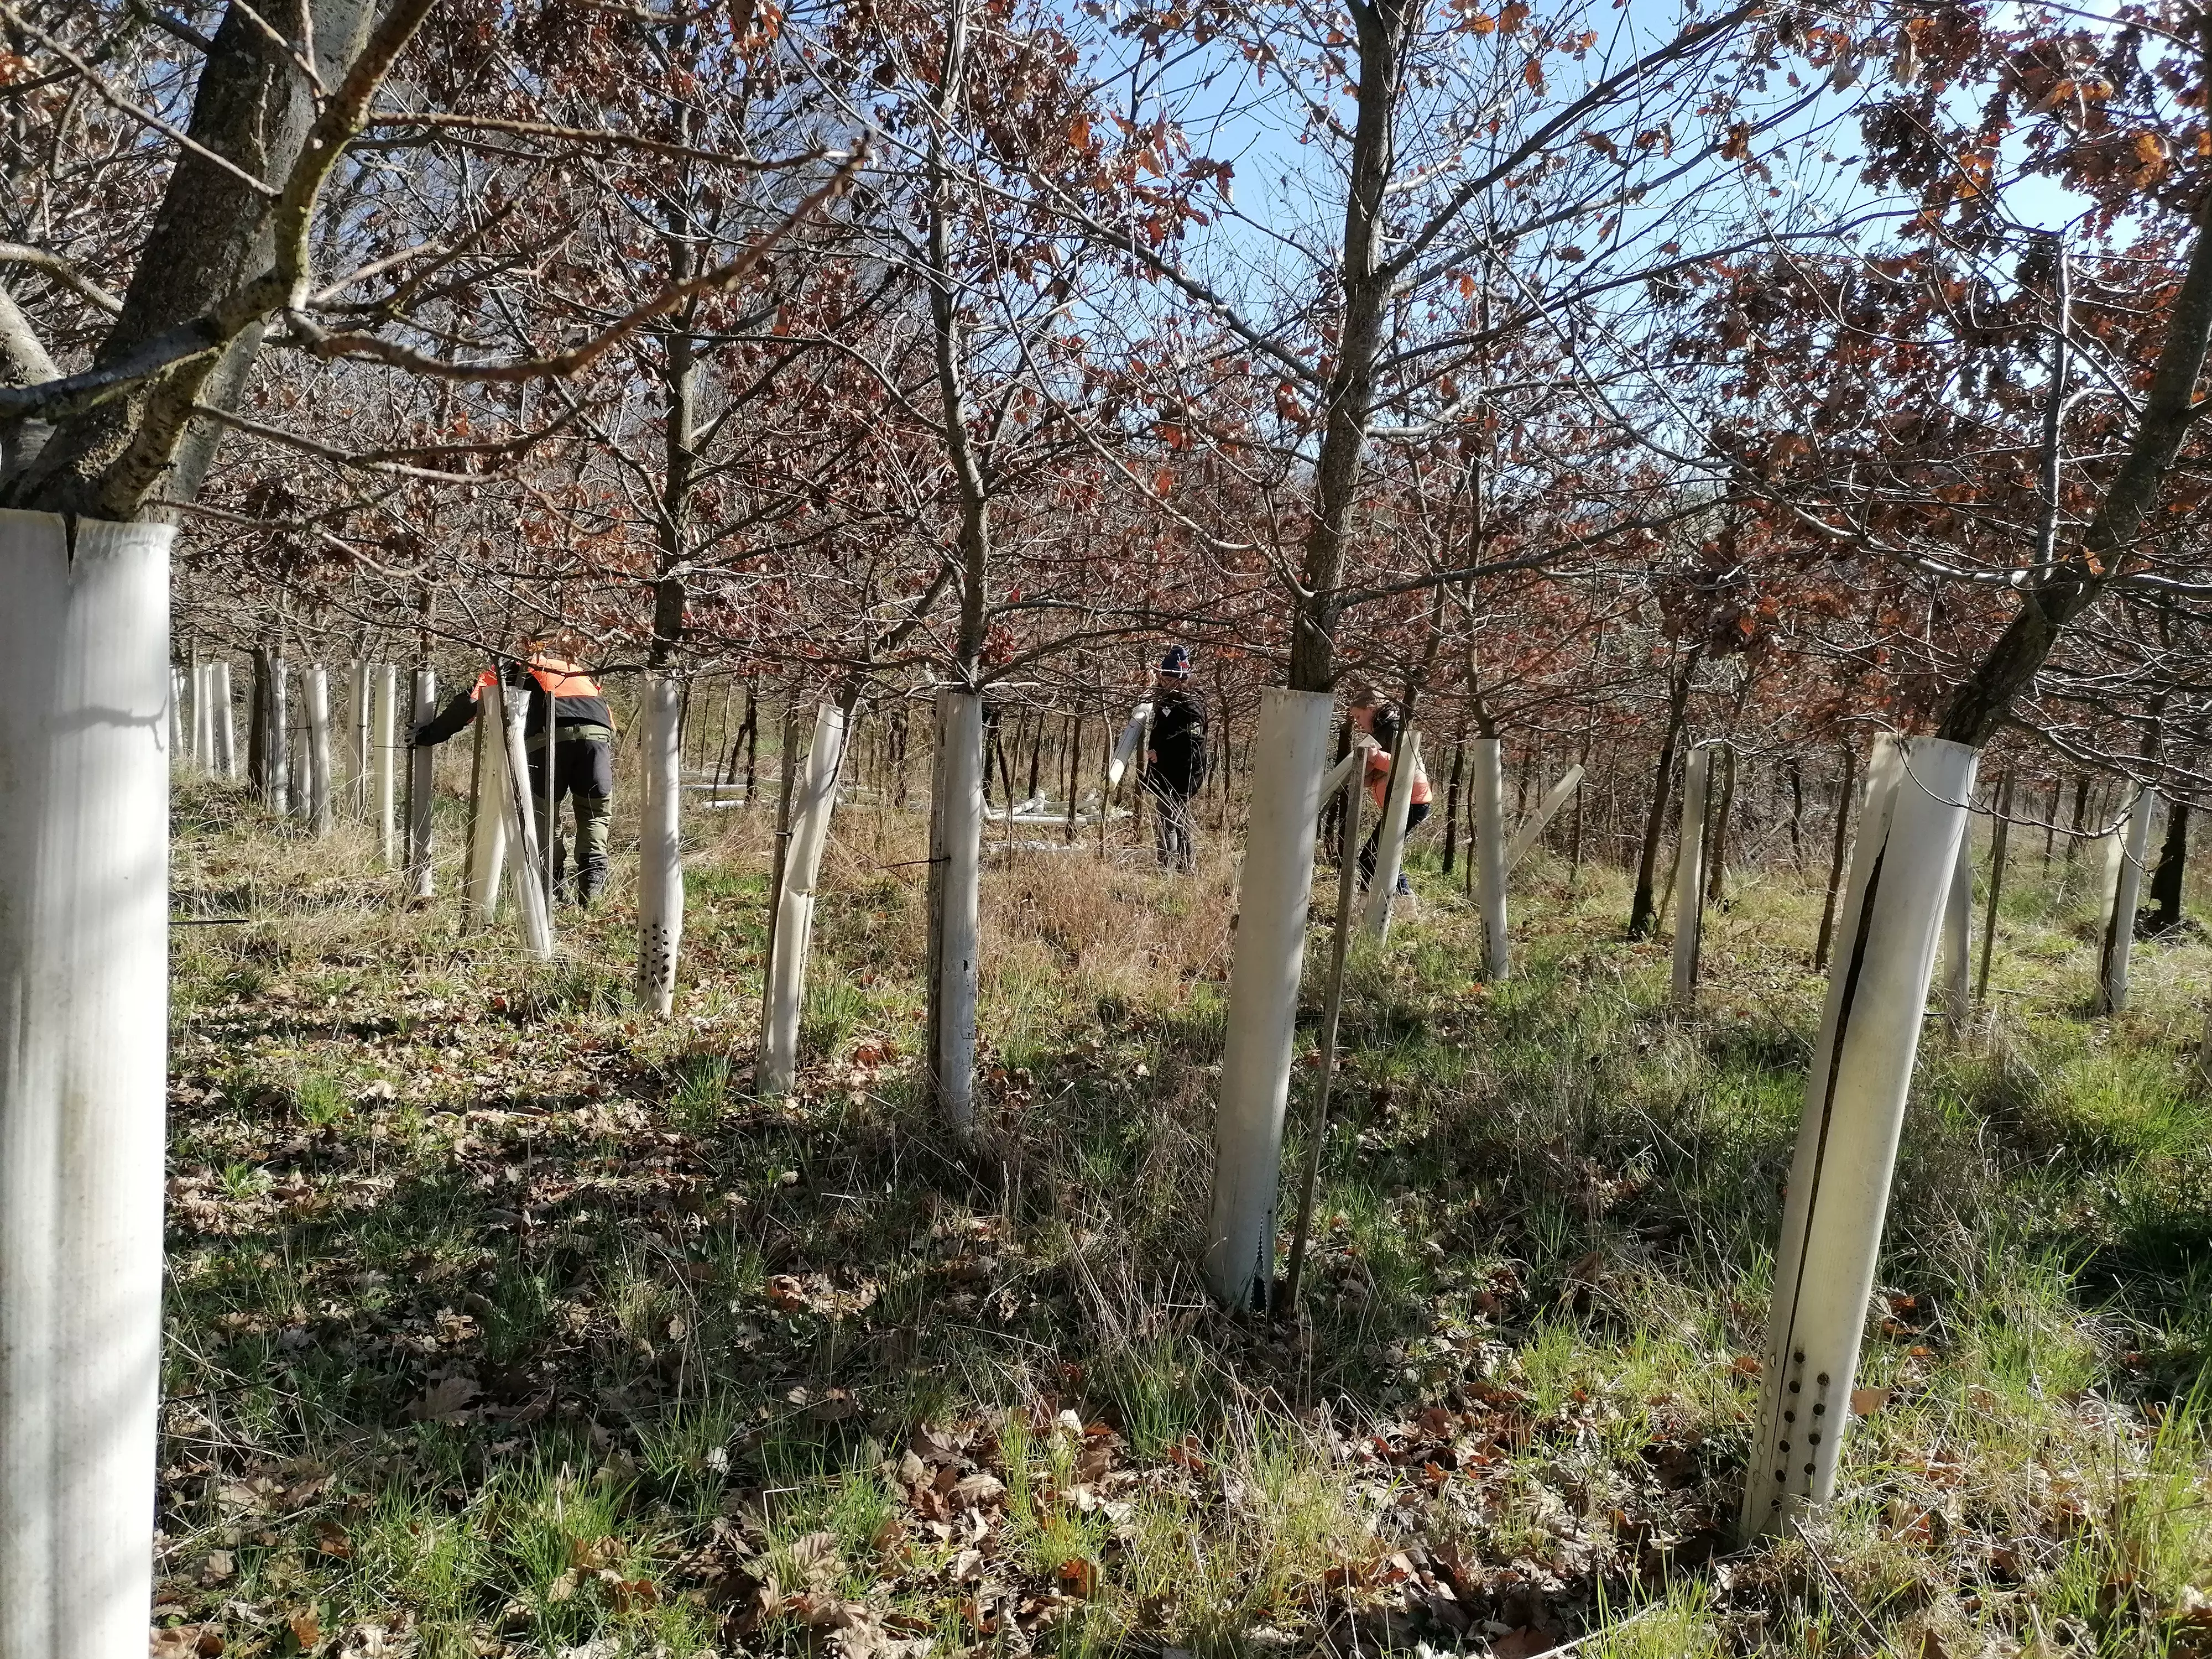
(1174, 760)
(580, 753)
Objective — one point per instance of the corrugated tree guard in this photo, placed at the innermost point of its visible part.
(533, 909)
(488, 788)
(383, 739)
(1855, 1093)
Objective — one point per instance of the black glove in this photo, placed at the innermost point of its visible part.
(422, 738)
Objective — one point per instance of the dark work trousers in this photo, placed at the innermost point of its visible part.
(1415, 812)
(1172, 826)
(584, 772)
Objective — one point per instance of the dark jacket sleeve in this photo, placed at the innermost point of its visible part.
(452, 718)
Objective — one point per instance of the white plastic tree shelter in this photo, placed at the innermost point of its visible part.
(276, 726)
(785, 993)
(302, 763)
(315, 692)
(1274, 892)
(384, 741)
(488, 788)
(2124, 884)
(533, 908)
(956, 844)
(660, 847)
(1538, 821)
(1855, 1094)
(1958, 936)
(1125, 746)
(177, 750)
(421, 779)
(358, 750)
(202, 749)
(1493, 860)
(1690, 877)
(1390, 845)
(226, 723)
(84, 831)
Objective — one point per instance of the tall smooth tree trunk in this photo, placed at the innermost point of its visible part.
(1266, 961)
(1837, 1194)
(384, 741)
(955, 853)
(316, 693)
(660, 847)
(1842, 843)
(785, 994)
(489, 786)
(1716, 859)
(422, 778)
(2123, 885)
(1492, 860)
(1451, 799)
(1390, 845)
(84, 827)
(1690, 877)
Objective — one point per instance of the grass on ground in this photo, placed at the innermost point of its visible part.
(503, 1321)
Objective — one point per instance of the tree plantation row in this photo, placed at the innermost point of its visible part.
(1709, 429)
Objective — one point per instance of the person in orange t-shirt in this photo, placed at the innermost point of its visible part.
(1376, 729)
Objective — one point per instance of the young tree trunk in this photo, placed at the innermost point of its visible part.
(421, 776)
(1690, 877)
(660, 847)
(2129, 847)
(1074, 771)
(1838, 1193)
(1490, 855)
(2081, 823)
(1642, 910)
(1843, 834)
(226, 723)
(1998, 837)
(257, 726)
(955, 868)
(785, 998)
(1390, 846)
(84, 977)
(1451, 798)
(1959, 935)
(1717, 873)
(318, 698)
(2165, 882)
(1290, 752)
(1796, 774)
